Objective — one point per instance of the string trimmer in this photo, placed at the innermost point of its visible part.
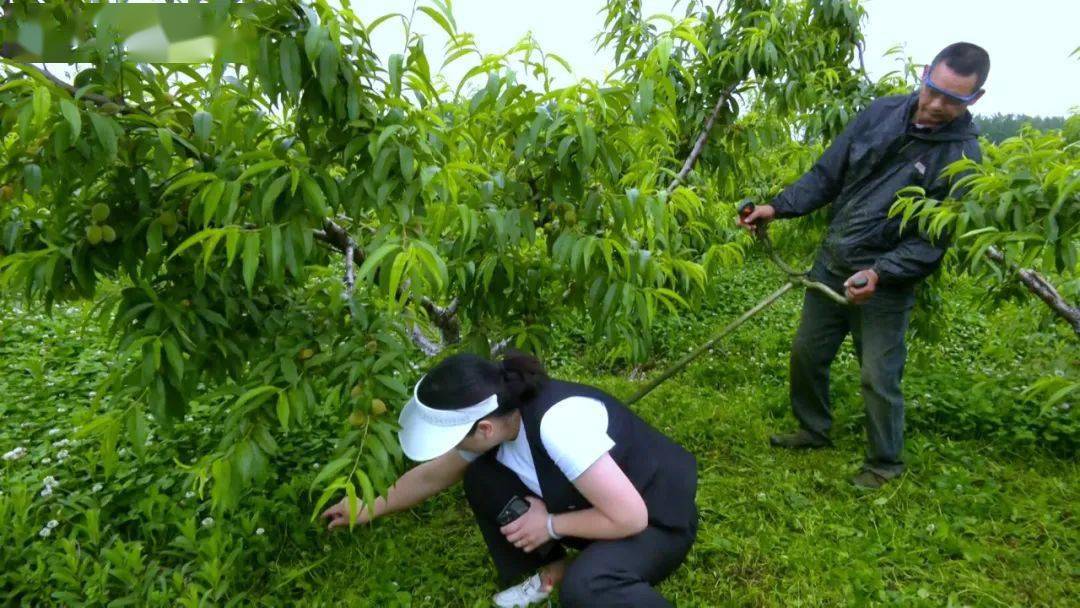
(795, 278)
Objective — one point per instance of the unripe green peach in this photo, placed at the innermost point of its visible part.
(378, 407)
(100, 212)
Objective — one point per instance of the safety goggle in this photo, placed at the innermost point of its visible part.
(929, 83)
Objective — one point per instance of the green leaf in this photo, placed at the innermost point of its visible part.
(174, 356)
(328, 69)
(255, 395)
(32, 178)
(366, 488)
(154, 238)
(106, 134)
(188, 180)
(392, 383)
(397, 270)
(332, 468)
(283, 410)
(314, 197)
(290, 65)
(395, 63)
(41, 102)
(353, 507)
(275, 250)
(71, 113)
(433, 262)
(408, 167)
(211, 198)
(251, 258)
(439, 19)
(193, 240)
(165, 138)
(231, 242)
(314, 39)
(202, 123)
(258, 168)
(222, 489)
(372, 261)
(271, 195)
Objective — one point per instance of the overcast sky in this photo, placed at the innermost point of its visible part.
(1029, 41)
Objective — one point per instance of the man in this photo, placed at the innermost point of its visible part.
(899, 141)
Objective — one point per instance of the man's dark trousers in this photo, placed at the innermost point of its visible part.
(877, 328)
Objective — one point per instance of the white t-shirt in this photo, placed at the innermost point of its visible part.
(574, 433)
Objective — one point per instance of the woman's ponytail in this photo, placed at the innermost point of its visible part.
(523, 375)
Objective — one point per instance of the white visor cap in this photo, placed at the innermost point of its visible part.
(427, 432)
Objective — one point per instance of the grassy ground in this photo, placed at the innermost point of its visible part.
(986, 515)
(975, 522)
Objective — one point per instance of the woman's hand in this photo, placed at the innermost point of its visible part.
(529, 531)
(339, 515)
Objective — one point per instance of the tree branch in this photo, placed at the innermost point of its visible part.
(424, 343)
(862, 64)
(703, 138)
(350, 275)
(1042, 289)
(123, 107)
(445, 318)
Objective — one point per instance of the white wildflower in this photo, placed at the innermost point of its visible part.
(52, 524)
(50, 481)
(15, 454)
(189, 494)
(62, 454)
(61, 443)
(209, 521)
(45, 532)
(46, 460)
(189, 418)
(260, 532)
(54, 432)
(96, 488)
(930, 528)
(46, 492)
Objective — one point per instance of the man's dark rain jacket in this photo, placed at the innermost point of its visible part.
(879, 153)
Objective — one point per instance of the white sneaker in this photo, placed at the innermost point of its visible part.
(523, 595)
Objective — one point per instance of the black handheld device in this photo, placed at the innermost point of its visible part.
(515, 508)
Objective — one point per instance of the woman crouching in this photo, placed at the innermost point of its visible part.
(595, 477)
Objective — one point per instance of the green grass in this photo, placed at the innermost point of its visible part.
(967, 525)
(986, 515)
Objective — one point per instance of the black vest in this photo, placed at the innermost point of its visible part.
(662, 471)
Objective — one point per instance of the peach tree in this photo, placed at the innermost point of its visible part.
(293, 234)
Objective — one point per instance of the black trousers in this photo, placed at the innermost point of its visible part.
(877, 329)
(607, 573)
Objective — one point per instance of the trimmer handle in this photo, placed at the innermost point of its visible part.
(746, 207)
